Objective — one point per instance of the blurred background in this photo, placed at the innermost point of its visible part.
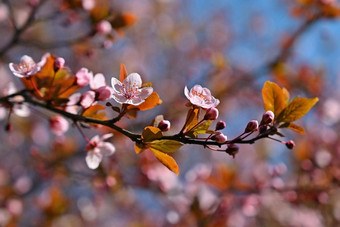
(231, 47)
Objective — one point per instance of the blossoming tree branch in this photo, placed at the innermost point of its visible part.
(51, 85)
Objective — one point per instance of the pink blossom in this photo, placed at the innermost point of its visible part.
(58, 125)
(97, 148)
(25, 68)
(83, 77)
(130, 91)
(87, 99)
(72, 104)
(97, 81)
(98, 85)
(21, 110)
(201, 97)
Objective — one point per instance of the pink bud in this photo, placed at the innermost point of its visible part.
(33, 3)
(58, 125)
(219, 137)
(104, 27)
(252, 126)
(267, 118)
(83, 77)
(232, 149)
(58, 64)
(87, 99)
(103, 93)
(220, 125)
(211, 114)
(164, 125)
(107, 44)
(290, 144)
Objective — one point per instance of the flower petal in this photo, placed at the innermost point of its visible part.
(93, 159)
(106, 148)
(145, 92)
(97, 81)
(116, 85)
(133, 80)
(106, 136)
(186, 93)
(120, 98)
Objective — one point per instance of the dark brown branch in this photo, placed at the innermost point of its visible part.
(18, 31)
(111, 123)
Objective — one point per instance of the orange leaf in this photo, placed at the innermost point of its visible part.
(123, 20)
(123, 73)
(296, 109)
(165, 146)
(94, 112)
(273, 97)
(139, 148)
(296, 128)
(192, 118)
(149, 103)
(151, 133)
(166, 160)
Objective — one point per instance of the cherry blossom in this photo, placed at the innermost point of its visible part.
(21, 110)
(130, 91)
(72, 104)
(97, 148)
(97, 84)
(88, 99)
(58, 125)
(25, 68)
(83, 77)
(201, 97)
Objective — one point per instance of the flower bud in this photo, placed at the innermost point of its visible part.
(232, 149)
(219, 137)
(220, 125)
(290, 144)
(83, 77)
(104, 27)
(33, 3)
(103, 93)
(211, 114)
(58, 64)
(252, 126)
(164, 125)
(267, 118)
(262, 129)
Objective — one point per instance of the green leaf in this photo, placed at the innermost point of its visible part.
(166, 146)
(151, 133)
(296, 109)
(203, 128)
(274, 98)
